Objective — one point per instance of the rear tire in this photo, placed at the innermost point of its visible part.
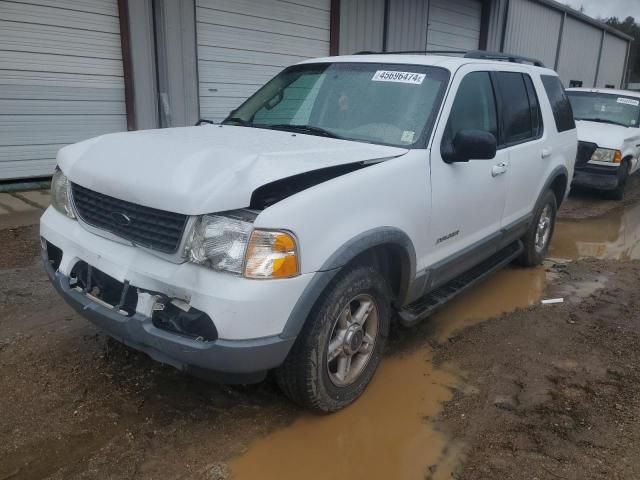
(538, 238)
(350, 324)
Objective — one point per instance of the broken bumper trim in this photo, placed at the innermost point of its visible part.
(225, 361)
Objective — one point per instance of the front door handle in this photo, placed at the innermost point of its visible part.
(546, 152)
(499, 169)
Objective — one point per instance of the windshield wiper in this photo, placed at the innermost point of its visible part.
(602, 120)
(310, 129)
(238, 120)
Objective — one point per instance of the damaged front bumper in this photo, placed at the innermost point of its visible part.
(599, 177)
(234, 361)
(140, 279)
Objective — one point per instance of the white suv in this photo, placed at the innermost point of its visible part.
(345, 190)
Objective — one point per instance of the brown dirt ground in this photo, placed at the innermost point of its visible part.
(555, 389)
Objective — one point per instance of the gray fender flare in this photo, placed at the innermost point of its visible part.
(342, 256)
(555, 173)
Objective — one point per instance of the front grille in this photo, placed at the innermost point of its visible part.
(148, 227)
(585, 150)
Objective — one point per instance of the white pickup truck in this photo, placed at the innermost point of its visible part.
(608, 123)
(344, 191)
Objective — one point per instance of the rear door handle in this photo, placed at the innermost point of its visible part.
(546, 153)
(499, 169)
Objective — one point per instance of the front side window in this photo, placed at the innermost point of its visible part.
(606, 108)
(389, 104)
(474, 107)
(560, 105)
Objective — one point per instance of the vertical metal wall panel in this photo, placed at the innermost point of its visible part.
(411, 25)
(533, 30)
(143, 60)
(498, 10)
(361, 25)
(243, 43)
(454, 25)
(61, 80)
(614, 52)
(579, 52)
(407, 28)
(177, 63)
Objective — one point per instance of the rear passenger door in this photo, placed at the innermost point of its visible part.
(523, 139)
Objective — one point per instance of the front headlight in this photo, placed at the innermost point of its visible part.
(230, 243)
(61, 194)
(607, 155)
(220, 242)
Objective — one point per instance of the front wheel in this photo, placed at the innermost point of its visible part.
(538, 238)
(339, 349)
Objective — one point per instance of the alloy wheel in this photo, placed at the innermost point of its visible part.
(352, 340)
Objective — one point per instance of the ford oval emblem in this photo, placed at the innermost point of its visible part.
(120, 218)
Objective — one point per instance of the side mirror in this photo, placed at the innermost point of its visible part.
(470, 145)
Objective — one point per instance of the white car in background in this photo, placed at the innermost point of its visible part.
(608, 123)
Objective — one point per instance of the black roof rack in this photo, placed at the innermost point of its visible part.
(479, 54)
(505, 57)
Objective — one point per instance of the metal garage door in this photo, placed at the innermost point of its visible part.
(454, 24)
(243, 43)
(612, 60)
(61, 79)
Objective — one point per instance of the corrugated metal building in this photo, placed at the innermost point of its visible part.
(73, 69)
(583, 51)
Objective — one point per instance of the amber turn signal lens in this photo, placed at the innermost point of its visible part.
(271, 254)
(617, 158)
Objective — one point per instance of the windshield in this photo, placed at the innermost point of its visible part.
(376, 103)
(605, 108)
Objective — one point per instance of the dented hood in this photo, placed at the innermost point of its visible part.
(197, 170)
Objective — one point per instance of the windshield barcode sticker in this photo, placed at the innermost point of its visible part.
(629, 101)
(407, 136)
(402, 77)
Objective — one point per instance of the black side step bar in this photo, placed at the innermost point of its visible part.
(425, 306)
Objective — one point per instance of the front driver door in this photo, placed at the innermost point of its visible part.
(468, 198)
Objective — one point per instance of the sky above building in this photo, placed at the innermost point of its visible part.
(608, 8)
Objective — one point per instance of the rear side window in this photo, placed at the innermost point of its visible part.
(560, 105)
(474, 107)
(516, 110)
(536, 114)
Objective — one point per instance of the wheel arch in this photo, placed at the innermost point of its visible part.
(558, 182)
(388, 248)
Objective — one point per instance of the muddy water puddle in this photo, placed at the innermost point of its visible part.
(501, 293)
(382, 435)
(614, 236)
(386, 433)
